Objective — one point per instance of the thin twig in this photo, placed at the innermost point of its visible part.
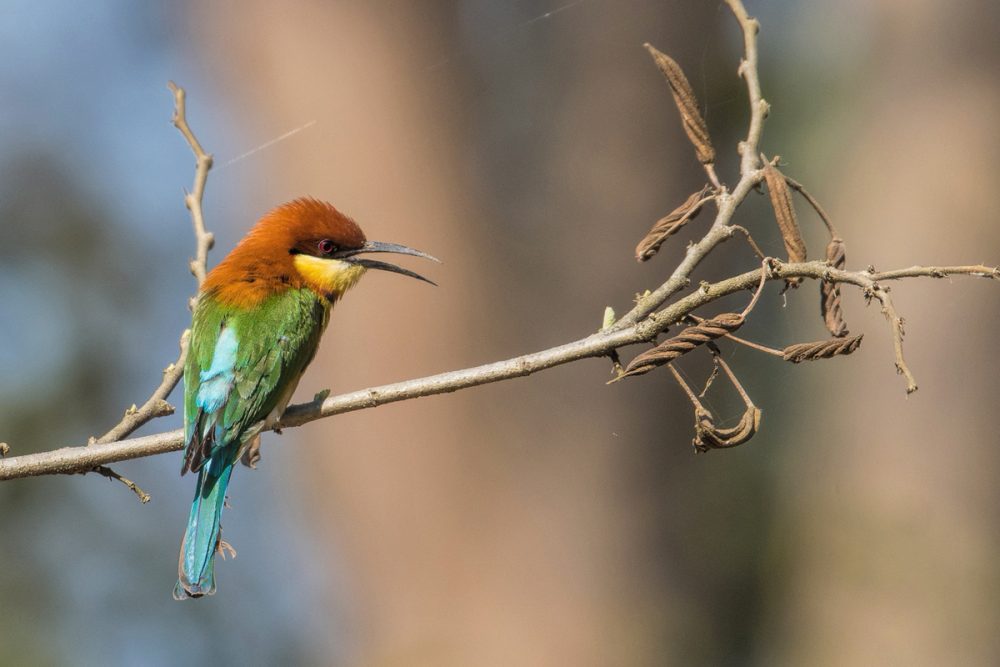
(764, 274)
(713, 178)
(732, 378)
(896, 322)
(978, 271)
(685, 386)
(753, 244)
(204, 239)
(111, 474)
(798, 187)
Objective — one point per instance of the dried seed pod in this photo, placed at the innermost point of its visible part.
(670, 224)
(829, 301)
(784, 214)
(708, 436)
(823, 349)
(684, 342)
(687, 104)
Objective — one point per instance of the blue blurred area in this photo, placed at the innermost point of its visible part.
(93, 288)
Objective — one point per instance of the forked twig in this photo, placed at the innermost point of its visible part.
(156, 405)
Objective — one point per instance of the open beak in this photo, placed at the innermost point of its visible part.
(377, 246)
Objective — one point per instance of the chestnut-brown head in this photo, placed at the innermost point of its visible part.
(304, 243)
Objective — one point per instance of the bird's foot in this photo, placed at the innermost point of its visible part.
(223, 548)
(252, 455)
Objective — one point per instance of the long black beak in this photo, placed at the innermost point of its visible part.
(377, 246)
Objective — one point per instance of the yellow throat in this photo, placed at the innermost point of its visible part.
(328, 276)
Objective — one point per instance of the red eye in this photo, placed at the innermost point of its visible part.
(326, 247)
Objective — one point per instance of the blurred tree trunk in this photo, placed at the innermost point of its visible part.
(488, 527)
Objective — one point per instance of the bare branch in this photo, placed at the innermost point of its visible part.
(75, 459)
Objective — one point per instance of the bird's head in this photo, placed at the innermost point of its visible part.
(304, 243)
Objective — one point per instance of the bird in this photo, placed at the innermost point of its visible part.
(257, 323)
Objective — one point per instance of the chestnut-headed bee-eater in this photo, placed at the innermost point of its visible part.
(256, 326)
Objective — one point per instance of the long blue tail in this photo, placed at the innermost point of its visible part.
(196, 569)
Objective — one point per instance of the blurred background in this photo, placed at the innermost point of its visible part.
(544, 521)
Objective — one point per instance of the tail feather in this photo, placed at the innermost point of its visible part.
(196, 569)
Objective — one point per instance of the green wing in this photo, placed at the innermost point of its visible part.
(241, 363)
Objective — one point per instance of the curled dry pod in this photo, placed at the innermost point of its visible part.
(684, 342)
(670, 224)
(823, 349)
(784, 214)
(708, 436)
(829, 302)
(687, 104)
